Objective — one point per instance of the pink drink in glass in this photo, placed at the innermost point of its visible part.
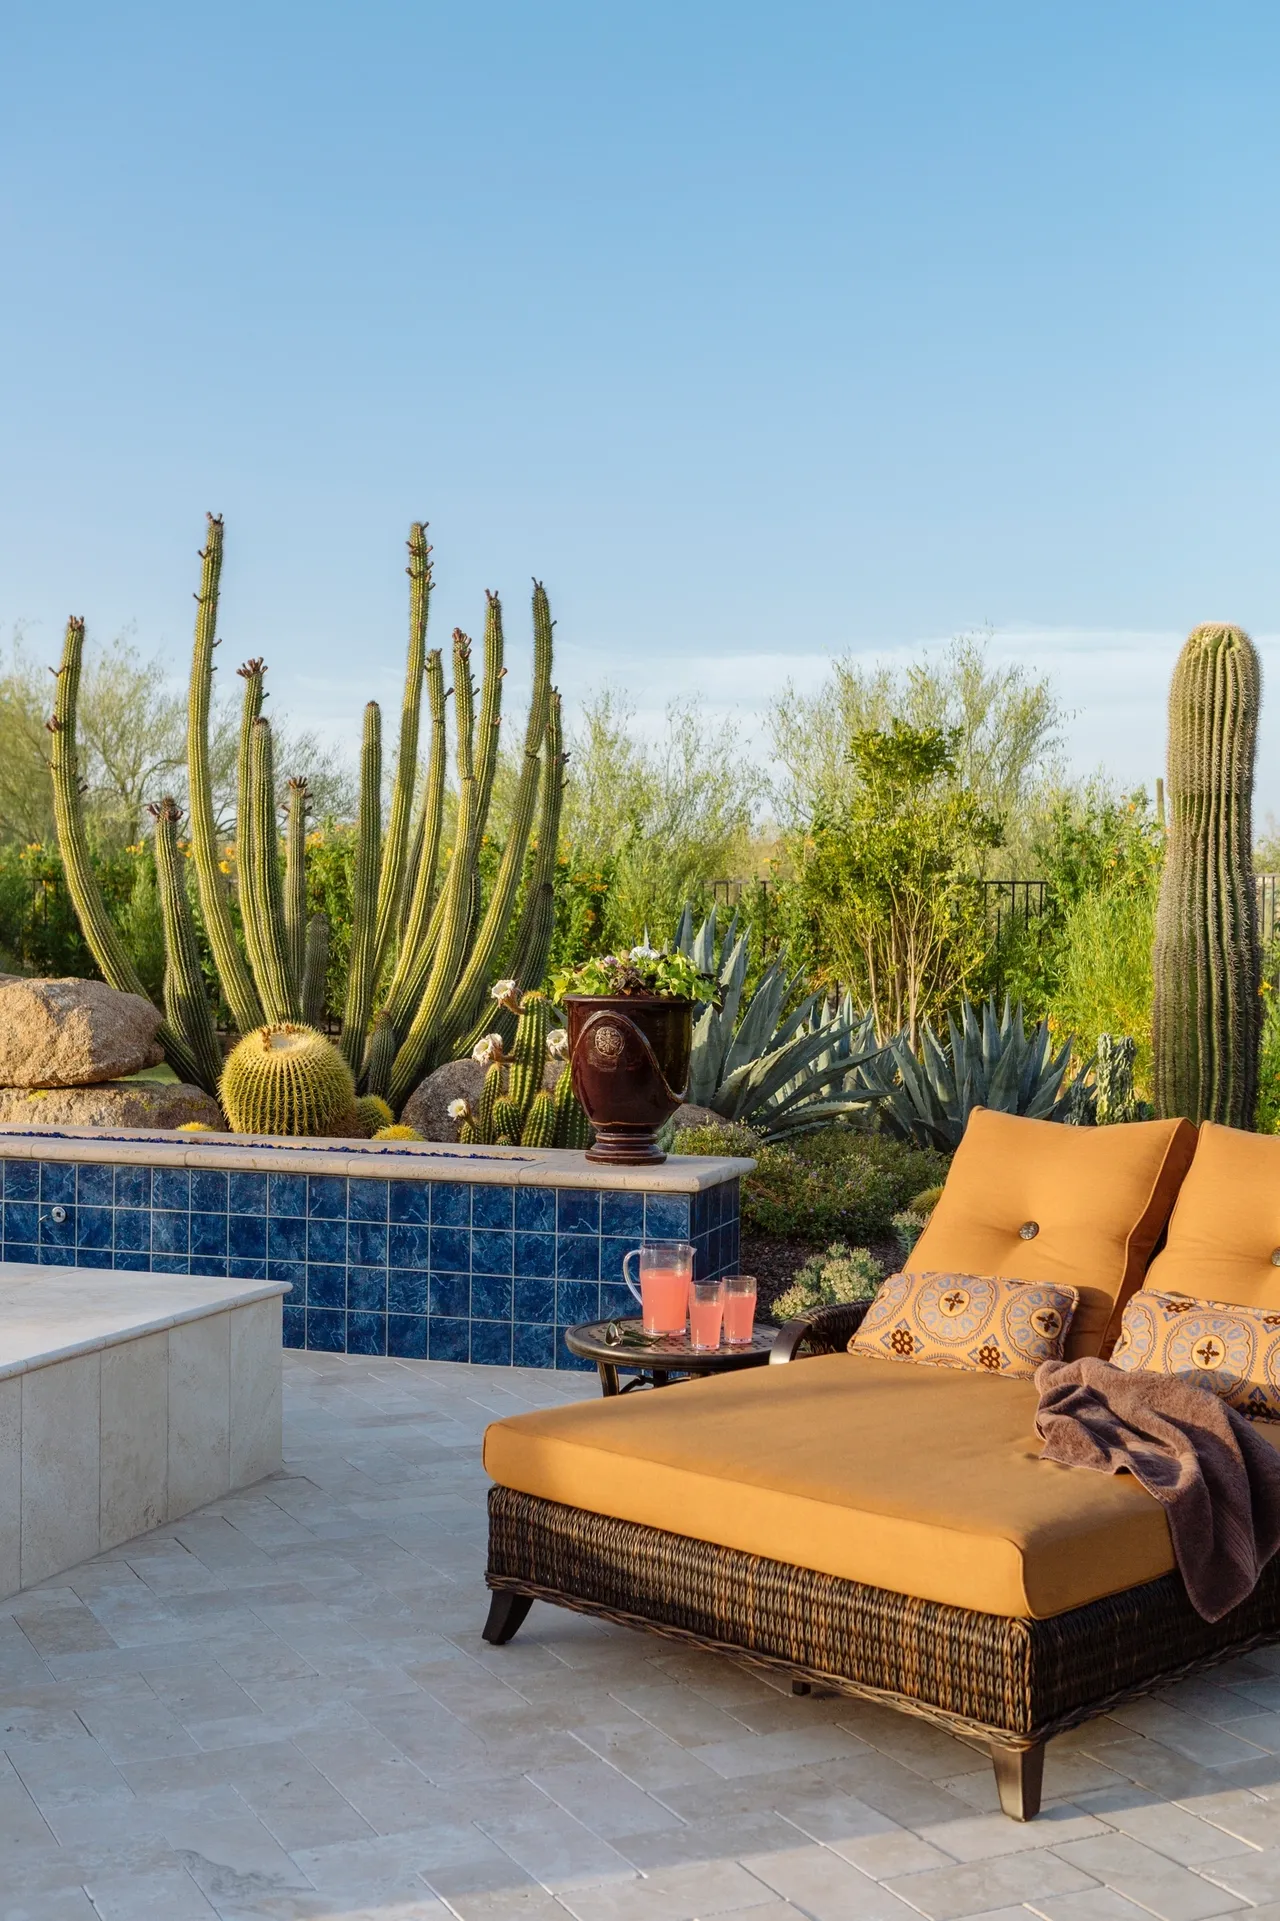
(706, 1310)
(666, 1270)
(739, 1309)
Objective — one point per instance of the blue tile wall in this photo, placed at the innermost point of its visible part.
(440, 1270)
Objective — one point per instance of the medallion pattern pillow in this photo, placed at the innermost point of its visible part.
(969, 1321)
(1232, 1351)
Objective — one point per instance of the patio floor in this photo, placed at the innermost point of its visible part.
(282, 1708)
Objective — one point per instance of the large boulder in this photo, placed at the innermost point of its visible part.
(73, 1033)
(110, 1104)
(427, 1108)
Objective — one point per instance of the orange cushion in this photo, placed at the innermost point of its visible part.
(1226, 1225)
(1097, 1198)
(1230, 1349)
(967, 1320)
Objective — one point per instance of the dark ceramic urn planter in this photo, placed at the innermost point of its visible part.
(630, 1059)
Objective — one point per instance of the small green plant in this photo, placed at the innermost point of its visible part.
(1268, 1113)
(645, 970)
(835, 1279)
(733, 1138)
(835, 1182)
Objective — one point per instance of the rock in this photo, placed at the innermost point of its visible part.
(689, 1114)
(110, 1104)
(427, 1107)
(73, 1033)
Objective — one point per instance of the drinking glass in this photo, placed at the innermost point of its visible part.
(706, 1309)
(739, 1308)
(666, 1270)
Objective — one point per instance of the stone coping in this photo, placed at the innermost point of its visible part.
(399, 1160)
(49, 1314)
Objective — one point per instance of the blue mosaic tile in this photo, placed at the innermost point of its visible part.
(170, 1232)
(618, 1303)
(209, 1234)
(21, 1180)
(450, 1204)
(449, 1340)
(450, 1250)
(95, 1184)
(326, 1286)
(612, 1255)
(577, 1210)
(535, 1300)
(170, 1263)
(246, 1236)
(407, 1337)
(247, 1195)
(577, 1301)
(622, 1214)
(131, 1263)
(327, 1197)
(133, 1230)
(210, 1265)
(666, 1217)
(208, 1192)
(22, 1221)
(450, 1296)
(287, 1196)
(286, 1239)
(366, 1333)
(572, 1363)
(93, 1227)
(491, 1343)
(410, 1201)
(326, 1330)
(492, 1251)
(408, 1245)
(533, 1346)
(326, 1240)
(366, 1200)
(406, 1291)
(57, 1181)
(244, 1270)
(535, 1254)
(536, 1210)
(366, 1291)
(133, 1187)
(99, 1257)
(577, 1257)
(295, 1326)
(490, 1297)
(170, 1187)
(293, 1274)
(492, 1207)
(366, 1244)
(58, 1233)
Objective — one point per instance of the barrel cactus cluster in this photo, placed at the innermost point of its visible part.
(1208, 961)
(426, 941)
(517, 1107)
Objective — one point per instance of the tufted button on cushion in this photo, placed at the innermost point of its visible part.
(1275, 1257)
(1028, 1230)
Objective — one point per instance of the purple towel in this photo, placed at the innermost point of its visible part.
(1217, 1480)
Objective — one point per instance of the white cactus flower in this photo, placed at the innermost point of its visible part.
(459, 1110)
(488, 1050)
(558, 1043)
(503, 990)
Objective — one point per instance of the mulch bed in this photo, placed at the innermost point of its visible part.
(774, 1263)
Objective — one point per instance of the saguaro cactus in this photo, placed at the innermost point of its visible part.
(1208, 962)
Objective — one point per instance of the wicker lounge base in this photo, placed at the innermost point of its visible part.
(1009, 1683)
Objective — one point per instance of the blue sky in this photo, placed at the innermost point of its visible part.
(758, 333)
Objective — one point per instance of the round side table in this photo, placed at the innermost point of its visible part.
(654, 1358)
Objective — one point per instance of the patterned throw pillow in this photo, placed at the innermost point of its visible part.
(969, 1321)
(1233, 1351)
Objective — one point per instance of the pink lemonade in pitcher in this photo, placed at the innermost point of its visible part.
(666, 1299)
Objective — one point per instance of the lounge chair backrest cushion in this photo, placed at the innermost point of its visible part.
(1081, 1206)
(1224, 1238)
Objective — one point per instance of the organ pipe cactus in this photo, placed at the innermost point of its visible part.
(422, 925)
(1208, 962)
(186, 1005)
(515, 1104)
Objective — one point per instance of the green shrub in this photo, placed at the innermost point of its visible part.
(731, 1138)
(1105, 983)
(833, 1182)
(1268, 1114)
(841, 1275)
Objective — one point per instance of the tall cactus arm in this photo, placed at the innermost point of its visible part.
(413, 960)
(490, 720)
(233, 973)
(315, 969)
(380, 1056)
(295, 882)
(456, 898)
(96, 924)
(251, 707)
(537, 925)
(362, 977)
(495, 925)
(261, 894)
(186, 1004)
(394, 879)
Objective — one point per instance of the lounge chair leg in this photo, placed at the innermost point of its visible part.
(802, 1687)
(506, 1614)
(1019, 1773)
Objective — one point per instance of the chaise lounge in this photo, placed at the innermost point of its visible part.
(888, 1530)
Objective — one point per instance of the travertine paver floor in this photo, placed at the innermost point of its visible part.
(282, 1708)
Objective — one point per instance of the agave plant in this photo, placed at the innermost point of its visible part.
(776, 1071)
(989, 1060)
